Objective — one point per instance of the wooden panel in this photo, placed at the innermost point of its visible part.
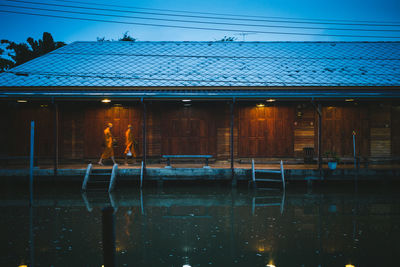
(266, 131)
(380, 142)
(395, 126)
(304, 130)
(188, 130)
(72, 131)
(380, 117)
(223, 141)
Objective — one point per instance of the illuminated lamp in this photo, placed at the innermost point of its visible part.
(271, 100)
(349, 100)
(106, 100)
(260, 105)
(186, 100)
(186, 265)
(349, 265)
(270, 265)
(23, 265)
(22, 101)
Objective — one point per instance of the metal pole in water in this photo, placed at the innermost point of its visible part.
(232, 142)
(354, 149)
(108, 220)
(31, 163)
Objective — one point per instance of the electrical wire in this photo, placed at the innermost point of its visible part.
(225, 14)
(201, 28)
(200, 22)
(225, 57)
(203, 17)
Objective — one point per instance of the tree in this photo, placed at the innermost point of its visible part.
(127, 37)
(22, 52)
(5, 64)
(227, 39)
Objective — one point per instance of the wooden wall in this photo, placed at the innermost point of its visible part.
(17, 120)
(278, 130)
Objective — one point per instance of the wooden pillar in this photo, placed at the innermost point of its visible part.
(232, 142)
(319, 111)
(55, 138)
(144, 145)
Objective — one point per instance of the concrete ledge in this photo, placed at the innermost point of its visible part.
(220, 174)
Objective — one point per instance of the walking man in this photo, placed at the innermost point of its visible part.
(129, 142)
(108, 143)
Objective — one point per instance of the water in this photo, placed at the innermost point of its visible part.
(203, 226)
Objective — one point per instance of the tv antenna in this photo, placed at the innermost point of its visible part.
(244, 34)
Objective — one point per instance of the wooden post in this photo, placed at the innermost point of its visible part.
(232, 142)
(31, 159)
(55, 138)
(144, 145)
(319, 111)
(108, 220)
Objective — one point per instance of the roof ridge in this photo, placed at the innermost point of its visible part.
(235, 42)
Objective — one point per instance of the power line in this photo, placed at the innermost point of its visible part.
(205, 17)
(199, 22)
(200, 28)
(225, 14)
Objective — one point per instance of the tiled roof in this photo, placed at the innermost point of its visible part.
(230, 64)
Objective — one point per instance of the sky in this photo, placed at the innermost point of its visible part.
(324, 14)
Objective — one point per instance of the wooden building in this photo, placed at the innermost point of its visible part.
(232, 100)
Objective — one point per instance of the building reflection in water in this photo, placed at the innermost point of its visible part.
(206, 226)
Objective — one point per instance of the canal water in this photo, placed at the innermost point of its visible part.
(203, 226)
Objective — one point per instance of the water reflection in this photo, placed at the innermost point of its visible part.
(202, 227)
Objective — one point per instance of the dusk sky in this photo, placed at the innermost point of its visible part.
(324, 15)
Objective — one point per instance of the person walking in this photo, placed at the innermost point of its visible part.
(108, 145)
(129, 142)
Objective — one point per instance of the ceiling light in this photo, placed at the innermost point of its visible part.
(349, 100)
(260, 105)
(186, 100)
(22, 101)
(271, 100)
(106, 100)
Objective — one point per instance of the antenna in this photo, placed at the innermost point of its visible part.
(243, 34)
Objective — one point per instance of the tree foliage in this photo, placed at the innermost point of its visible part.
(23, 52)
(227, 39)
(125, 37)
(5, 64)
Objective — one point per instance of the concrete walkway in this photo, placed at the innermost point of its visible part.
(217, 171)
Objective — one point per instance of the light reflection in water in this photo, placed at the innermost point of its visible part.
(205, 226)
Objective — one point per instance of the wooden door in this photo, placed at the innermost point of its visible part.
(187, 130)
(266, 131)
(338, 123)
